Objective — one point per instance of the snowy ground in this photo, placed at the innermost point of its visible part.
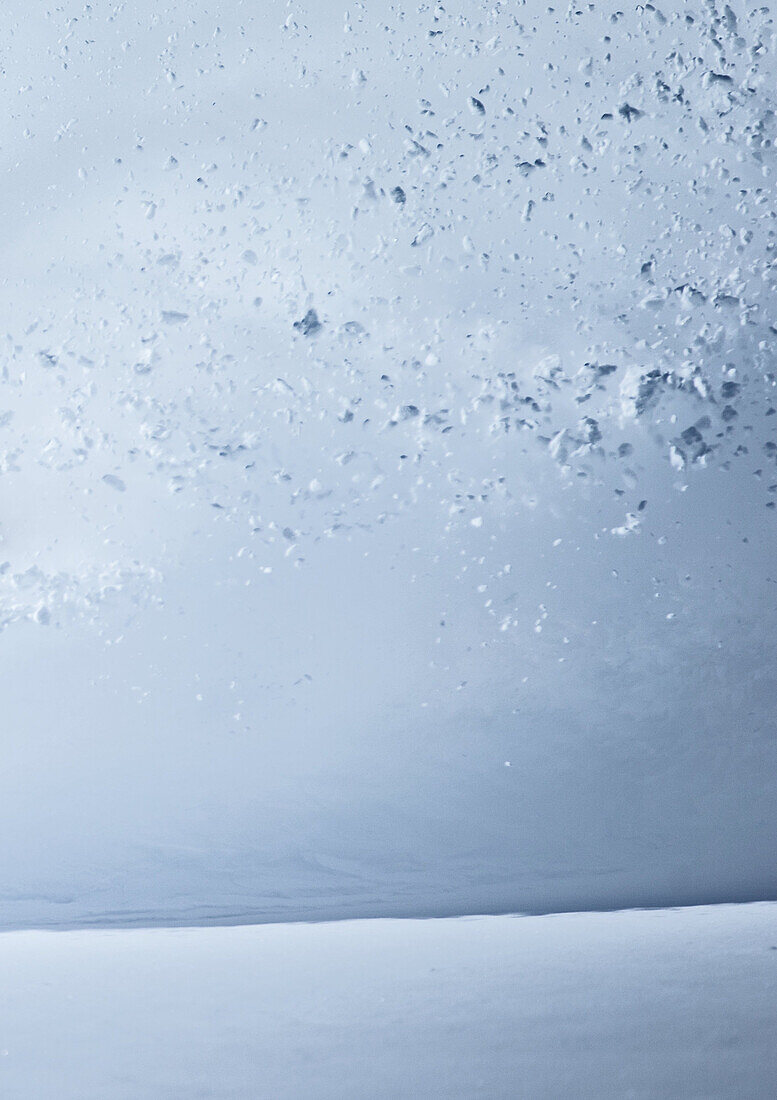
(663, 1003)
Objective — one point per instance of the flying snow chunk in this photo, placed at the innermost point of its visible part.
(114, 482)
(632, 524)
(173, 317)
(676, 458)
(309, 325)
(423, 234)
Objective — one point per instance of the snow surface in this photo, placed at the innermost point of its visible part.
(387, 457)
(650, 1004)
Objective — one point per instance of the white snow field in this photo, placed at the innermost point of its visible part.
(676, 1004)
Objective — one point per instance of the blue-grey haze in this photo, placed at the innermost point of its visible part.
(387, 458)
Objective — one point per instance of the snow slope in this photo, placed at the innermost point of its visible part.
(658, 1004)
